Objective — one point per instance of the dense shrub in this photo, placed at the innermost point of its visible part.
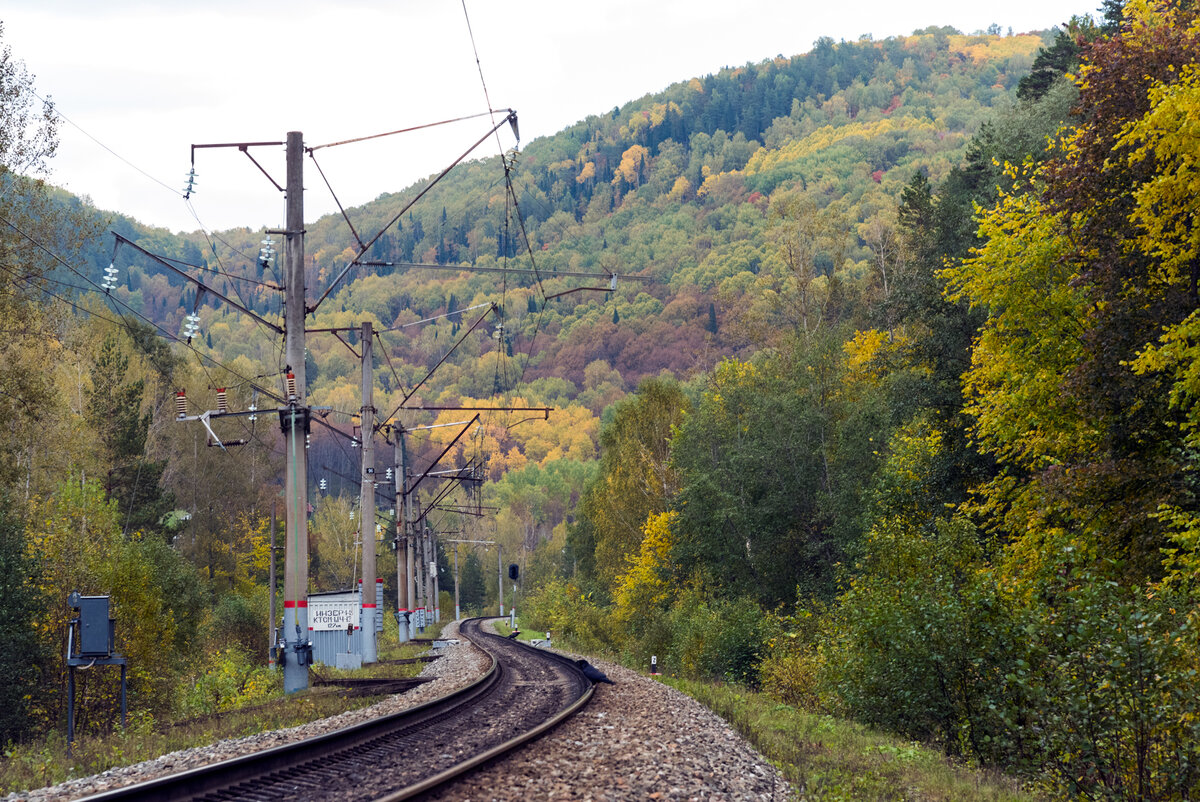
(563, 609)
(1089, 684)
(716, 638)
(239, 621)
(230, 678)
(1112, 687)
(793, 664)
(923, 642)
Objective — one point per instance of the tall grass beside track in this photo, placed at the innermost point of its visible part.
(48, 761)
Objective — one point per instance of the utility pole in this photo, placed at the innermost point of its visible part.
(367, 499)
(403, 551)
(431, 609)
(294, 420)
(500, 578)
(433, 575)
(271, 609)
(456, 542)
(457, 607)
(413, 560)
(418, 567)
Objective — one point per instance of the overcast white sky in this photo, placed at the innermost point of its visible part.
(147, 80)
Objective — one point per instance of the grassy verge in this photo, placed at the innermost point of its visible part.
(47, 761)
(831, 759)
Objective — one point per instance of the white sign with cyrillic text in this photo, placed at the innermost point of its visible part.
(332, 615)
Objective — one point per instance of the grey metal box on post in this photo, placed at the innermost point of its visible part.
(95, 627)
(96, 633)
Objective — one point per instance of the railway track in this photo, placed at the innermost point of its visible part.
(524, 693)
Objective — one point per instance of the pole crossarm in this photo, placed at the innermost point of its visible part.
(521, 270)
(457, 473)
(439, 317)
(545, 410)
(442, 361)
(434, 426)
(461, 510)
(200, 284)
(410, 129)
(244, 147)
(379, 493)
(433, 505)
(412, 488)
(511, 119)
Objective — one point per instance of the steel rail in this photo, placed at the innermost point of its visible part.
(499, 749)
(226, 775)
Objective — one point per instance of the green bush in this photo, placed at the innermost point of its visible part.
(563, 609)
(239, 621)
(716, 638)
(231, 678)
(1068, 675)
(1113, 690)
(792, 667)
(923, 642)
(652, 636)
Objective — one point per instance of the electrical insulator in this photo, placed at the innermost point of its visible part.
(351, 515)
(291, 386)
(110, 278)
(354, 442)
(191, 326)
(180, 403)
(323, 484)
(253, 409)
(191, 183)
(267, 251)
(388, 474)
(307, 440)
(222, 400)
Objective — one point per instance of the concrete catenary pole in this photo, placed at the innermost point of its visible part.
(295, 428)
(403, 556)
(271, 634)
(500, 576)
(433, 572)
(457, 607)
(412, 558)
(366, 497)
(418, 572)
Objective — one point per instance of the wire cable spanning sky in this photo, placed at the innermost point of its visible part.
(140, 82)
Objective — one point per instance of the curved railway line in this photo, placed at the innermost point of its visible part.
(524, 693)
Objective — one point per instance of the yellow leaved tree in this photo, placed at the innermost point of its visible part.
(646, 582)
(1166, 211)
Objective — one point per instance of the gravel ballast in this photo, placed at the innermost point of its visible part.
(638, 739)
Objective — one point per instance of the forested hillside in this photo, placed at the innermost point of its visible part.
(959, 504)
(891, 410)
(692, 188)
